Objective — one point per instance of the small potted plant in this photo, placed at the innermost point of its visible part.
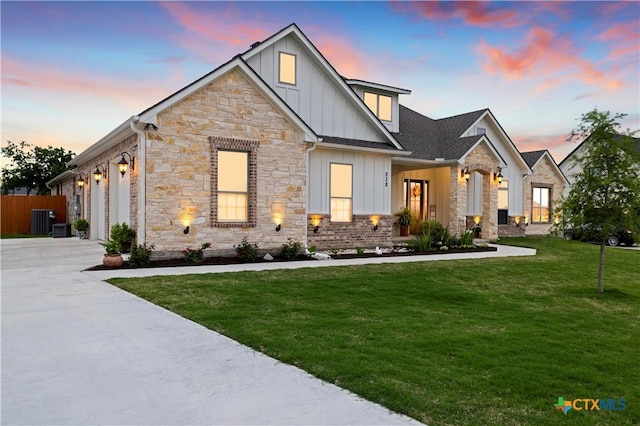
(124, 235)
(81, 226)
(404, 218)
(113, 256)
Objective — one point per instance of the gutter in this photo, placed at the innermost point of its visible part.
(142, 179)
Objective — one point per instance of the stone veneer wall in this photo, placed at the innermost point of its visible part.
(544, 174)
(479, 159)
(111, 156)
(179, 171)
(458, 201)
(358, 232)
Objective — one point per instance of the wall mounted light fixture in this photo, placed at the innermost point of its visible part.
(123, 165)
(81, 178)
(146, 127)
(97, 175)
(186, 230)
(374, 221)
(315, 221)
(465, 173)
(497, 175)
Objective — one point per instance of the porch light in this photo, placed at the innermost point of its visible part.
(465, 173)
(497, 175)
(315, 221)
(123, 165)
(97, 175)
(81, 178)
(277, 219)
(374, 221)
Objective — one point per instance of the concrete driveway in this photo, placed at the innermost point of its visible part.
(76, 350)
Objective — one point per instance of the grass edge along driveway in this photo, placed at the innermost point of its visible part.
(489, 341)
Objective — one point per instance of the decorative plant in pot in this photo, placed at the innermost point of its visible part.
(81, 225)
(404, 218)
(113, 257)
(124, 235)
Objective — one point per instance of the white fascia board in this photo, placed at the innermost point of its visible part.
(110, 140)
(505, 137)
(67, 174)
(348, 91)
(150, 116)
(378, 86)
(558, 170)
(361, 149)
(418, 161)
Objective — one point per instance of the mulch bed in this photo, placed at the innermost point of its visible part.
(233, 261)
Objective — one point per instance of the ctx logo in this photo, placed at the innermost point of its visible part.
(588, 404)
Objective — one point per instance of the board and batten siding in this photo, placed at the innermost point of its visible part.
(315, 97)
(513, 172)
(371, 181)
(439, 189)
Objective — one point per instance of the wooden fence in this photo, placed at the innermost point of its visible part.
(16, 211)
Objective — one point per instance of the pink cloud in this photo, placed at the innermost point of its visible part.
(35, 77)
(476, 13)
(346, 59)
(625, 40)
(545, 56)
(556, 144)
(218, 27)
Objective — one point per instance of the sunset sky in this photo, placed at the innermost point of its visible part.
(73, 71)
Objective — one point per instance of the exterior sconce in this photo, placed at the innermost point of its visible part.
(123, 165)
(497, 175)
(315, 221)
(517, 220)
(81, 178)
(375, 220)
(97, 175)
(277, 219)
(465, 173)
(186, 230)
(476, 220)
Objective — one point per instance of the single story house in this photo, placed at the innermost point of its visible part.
(275, 145)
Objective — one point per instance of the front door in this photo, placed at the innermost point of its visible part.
(415, 197)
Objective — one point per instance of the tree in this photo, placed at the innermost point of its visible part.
(606, 194)
(32, 166)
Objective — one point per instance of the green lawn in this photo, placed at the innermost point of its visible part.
(10, 236)
(479, 342)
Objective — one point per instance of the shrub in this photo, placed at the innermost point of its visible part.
(359, 251)
(422, 243)
(447, 238)
(290, 249)
(466, 238)
(81, 225)
(434, 228)
(334, 252)
(140, 255)
(245, 251)
(123, 234)
(111, 246)
(312, 249)
(195, 256)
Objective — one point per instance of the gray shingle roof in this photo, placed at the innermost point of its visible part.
(532, 157)
(429, 139)
(358, 142)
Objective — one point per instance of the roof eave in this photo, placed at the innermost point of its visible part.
(362, 149)
(110, 140)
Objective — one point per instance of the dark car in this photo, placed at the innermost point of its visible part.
(589, 232)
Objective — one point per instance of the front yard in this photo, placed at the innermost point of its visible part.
(491, 341)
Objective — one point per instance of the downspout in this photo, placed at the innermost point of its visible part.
(142, 179)
(306, 228)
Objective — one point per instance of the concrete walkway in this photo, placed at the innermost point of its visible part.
(76, 350)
